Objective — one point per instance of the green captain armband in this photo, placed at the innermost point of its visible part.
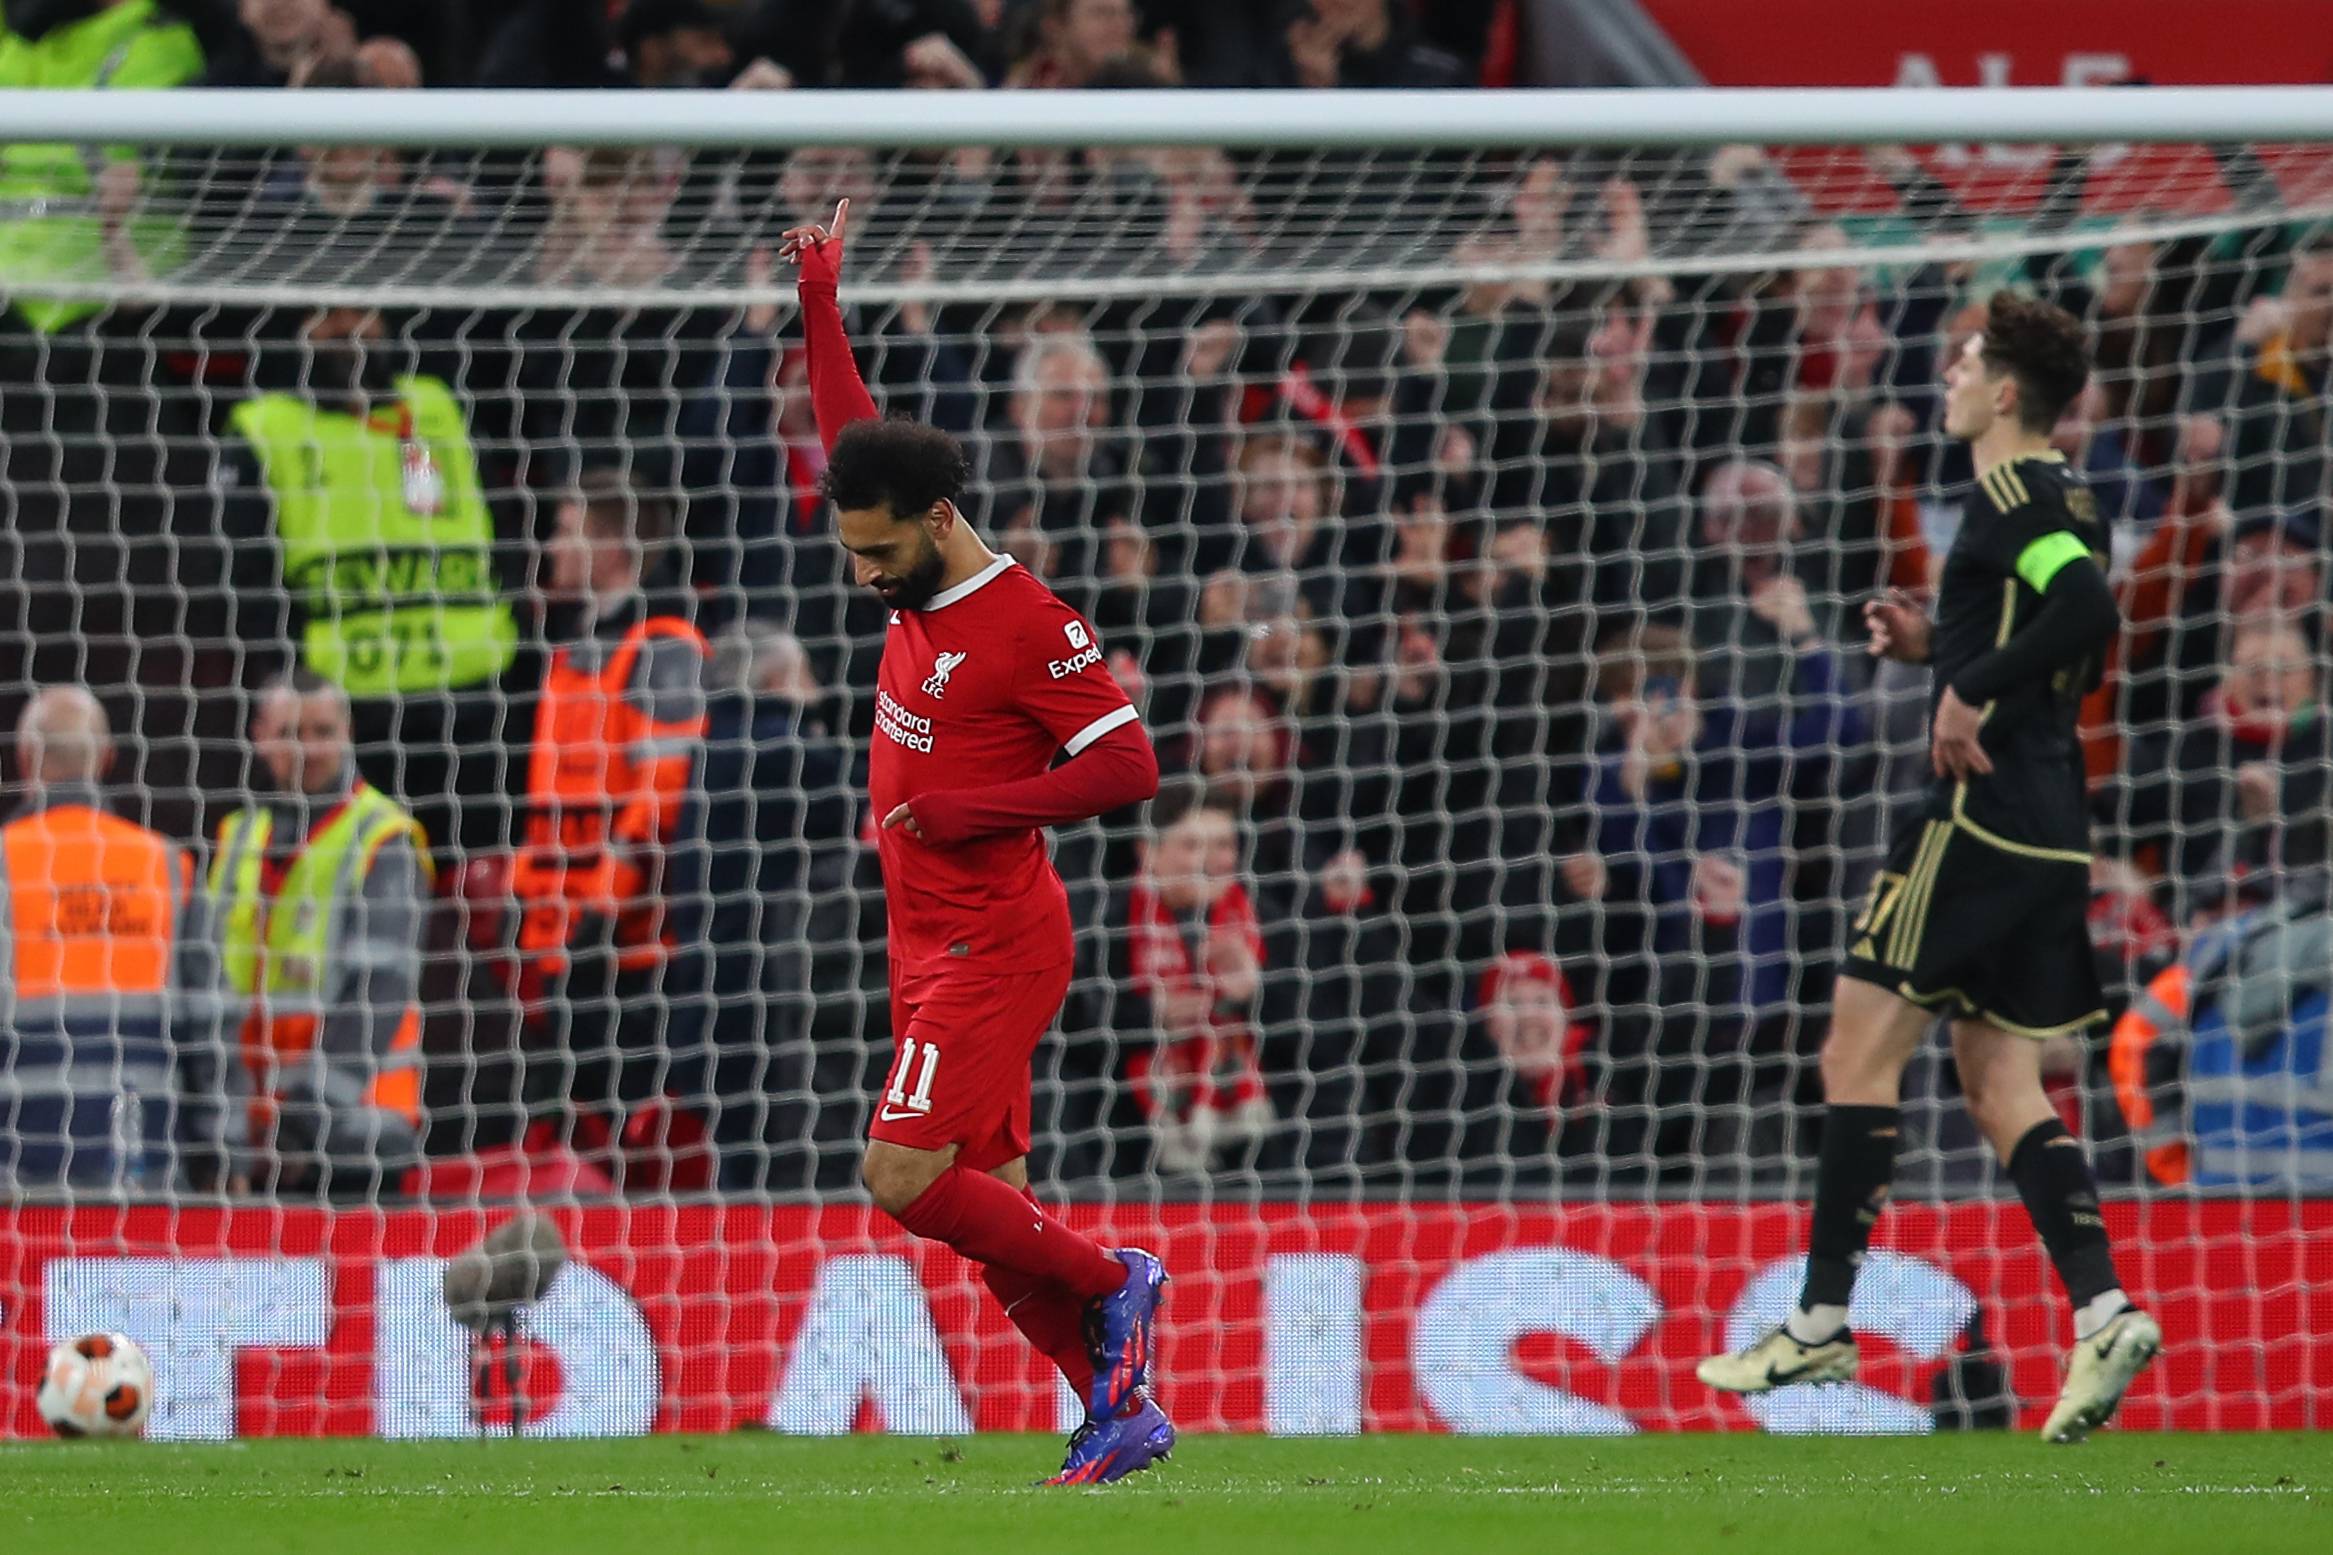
(2046, 557)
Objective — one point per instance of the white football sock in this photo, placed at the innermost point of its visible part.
(2098, 1311)
(1818, 1324)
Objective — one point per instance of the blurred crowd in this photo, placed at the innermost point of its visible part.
(1501, 640)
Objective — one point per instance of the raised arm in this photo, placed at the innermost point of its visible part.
(837, 393)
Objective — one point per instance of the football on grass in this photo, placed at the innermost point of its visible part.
(97, 1385)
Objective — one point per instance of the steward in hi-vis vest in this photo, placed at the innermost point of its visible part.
(51, 225)
(96, 918)
(387, 543)
(316, 900)
(617, 737)
(609, 880)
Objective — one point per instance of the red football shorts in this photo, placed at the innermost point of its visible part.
(961, 1074)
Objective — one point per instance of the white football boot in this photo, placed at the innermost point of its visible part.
(2098, 1371)
(1775, 1360)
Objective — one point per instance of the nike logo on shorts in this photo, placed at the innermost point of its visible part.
(896, 1114)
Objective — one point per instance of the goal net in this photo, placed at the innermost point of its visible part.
(1483, 535)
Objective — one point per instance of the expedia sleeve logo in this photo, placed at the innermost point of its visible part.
(1085, 654)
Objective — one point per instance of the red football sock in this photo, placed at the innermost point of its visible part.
(1050, 1318)
(990, 1222)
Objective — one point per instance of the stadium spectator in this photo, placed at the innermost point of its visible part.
(316, 899)
(1606, 474)
(1194, 967)
(2262, 567)
(1524, 1074)
(1288, 657)
(919, 44)
(2131, 501)
(1760, 646)
(2235, 799)
(1333, 43)
(1366, 386)
(610, 386)
(352, 215)
(388, 65)
(1765, 656)
(776, 786)
(1333, 1032)
(2276, 450)
(1070, 41)
(108, 1046)
(669, 44)
(1050, 474)
(1243, 754)
(1285, 530)
(1693, 834)
(2153, 581)
(617, 748)
(543, 43)
(366, 480)
(1529, 837)
(1417, 761)
(1146, 613)
(1501, 333)
(284, 37)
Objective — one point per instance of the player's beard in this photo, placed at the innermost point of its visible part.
(914, 589)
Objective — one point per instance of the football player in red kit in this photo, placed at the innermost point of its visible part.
(986, 677)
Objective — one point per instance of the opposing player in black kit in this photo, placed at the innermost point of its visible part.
(1979, 916)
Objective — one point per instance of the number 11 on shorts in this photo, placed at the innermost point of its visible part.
(898, 1098)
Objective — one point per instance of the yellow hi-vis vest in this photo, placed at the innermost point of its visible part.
(278, 950)
(49, 229)
(386, 540)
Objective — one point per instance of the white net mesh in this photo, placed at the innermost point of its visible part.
(1394, 482)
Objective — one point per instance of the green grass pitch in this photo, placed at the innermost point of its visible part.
(868, 1495)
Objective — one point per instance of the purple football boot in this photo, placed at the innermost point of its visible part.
(1119, 1333)
(1106, 1451)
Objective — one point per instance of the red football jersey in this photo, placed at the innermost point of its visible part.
(983, 685)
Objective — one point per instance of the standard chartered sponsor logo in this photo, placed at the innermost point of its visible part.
(901, 727)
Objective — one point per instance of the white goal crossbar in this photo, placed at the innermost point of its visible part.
(1452, 120)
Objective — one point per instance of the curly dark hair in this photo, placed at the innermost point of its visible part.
(2044, 348)
(902, 467)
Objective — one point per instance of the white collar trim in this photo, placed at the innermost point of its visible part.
(970, 586)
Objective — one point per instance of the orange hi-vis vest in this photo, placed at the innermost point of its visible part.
(2158, 1013)
(605, 784)
(92, 903)
(89, 912)
(91, 906)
